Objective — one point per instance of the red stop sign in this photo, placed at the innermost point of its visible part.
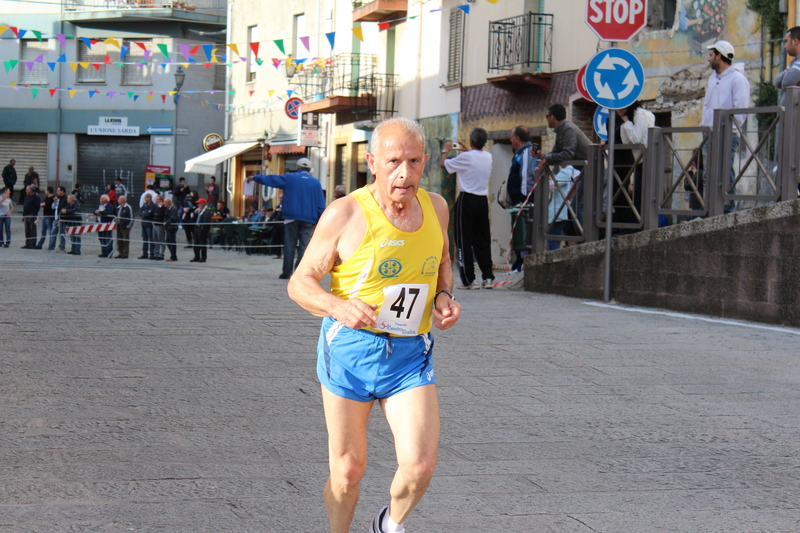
(616, 20)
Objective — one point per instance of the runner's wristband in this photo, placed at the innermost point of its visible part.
(450, 294)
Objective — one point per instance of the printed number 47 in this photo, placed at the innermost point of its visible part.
(398, 304)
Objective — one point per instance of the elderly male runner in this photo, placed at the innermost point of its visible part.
(385, 247)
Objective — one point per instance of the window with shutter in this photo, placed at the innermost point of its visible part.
(455, 54)
(38, 74)
(137, 71)
(96, 73)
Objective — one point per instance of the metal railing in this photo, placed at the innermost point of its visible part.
(352, 75)
(682, 173)
(525, 40)
(211, 7)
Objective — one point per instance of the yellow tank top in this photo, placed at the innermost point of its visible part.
(393, 269)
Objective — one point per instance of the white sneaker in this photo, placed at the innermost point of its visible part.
(471, 286)
(377, 522)
(488, 283)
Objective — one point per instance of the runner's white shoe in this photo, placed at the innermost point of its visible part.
(377, 522)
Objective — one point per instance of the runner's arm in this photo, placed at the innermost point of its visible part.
(319, 258)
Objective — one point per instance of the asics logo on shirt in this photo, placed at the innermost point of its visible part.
(387, 242)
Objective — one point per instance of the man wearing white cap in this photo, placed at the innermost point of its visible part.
(727, 88)
(303, 203)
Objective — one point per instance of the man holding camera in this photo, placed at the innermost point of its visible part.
(473, 169)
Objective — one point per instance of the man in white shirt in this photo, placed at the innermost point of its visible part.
(727, 89)
(473, 169)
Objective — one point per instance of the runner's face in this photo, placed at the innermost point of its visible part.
(397, 165)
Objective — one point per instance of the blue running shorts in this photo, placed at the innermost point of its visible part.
(363, 366)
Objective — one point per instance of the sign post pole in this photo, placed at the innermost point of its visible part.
(612, 123)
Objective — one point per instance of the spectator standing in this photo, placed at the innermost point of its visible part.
(171, 221)
(557, 210)
(120, 190)
(149, 191)
(188, 218)
(181, 192)
(6, 209)
(59, 204)
(727, 89)
(146, 213)
(10, 177)
(77, 192)
(303, 203)
(31, 178)
(472, 168)
(71, 214)
(30, 213)
(202, 231)
(212, 189)
(791, 76)
(105, 214)
(159, 236)
(47, 217)
(112, 194)
(339, 192)
(521, 174)
(124, 225)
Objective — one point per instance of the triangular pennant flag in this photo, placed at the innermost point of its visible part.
(178, 97)
(35, 93)
(147, 54)
(251, 93)
(254, 48)
(492, 1)
(194, 49)
(231, 93)
(62, 39)
(84, 64)
(331, 37)
(92, 93)
(279, 44)
(14, 85)
(305, 41)
(52, 66)
(163, 98)
(111, 94)
(208, 49)
(276, 62)
(71, 92)
(97, 66)
(74, 67)
(52, 92)
(164, 66)
(120, 64)
(150, 97)
(234, 48)
(270, 93)
(38, 35)
(39, 59)
(164, 51)
(289, 93)
(173, 93)
(130, 95)
(142, 46)
(15, 31)
(122, 53)
(29, 64)
(384, 25)
(107, 59)
(62, 58)
(359, 33)
(185, 65)
(3, 29)
(112, 41)
(464, 8)
(94, 42)
(185, 50)
(207, 65)
(300, 61)
(259, 61)
(135, 97)
(87, 42)
(21, 34)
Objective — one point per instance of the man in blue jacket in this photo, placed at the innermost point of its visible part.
(303, 203)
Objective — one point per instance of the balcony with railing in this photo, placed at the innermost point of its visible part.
(204, 11)
(521, 47)
(348, 86)
(379, 10)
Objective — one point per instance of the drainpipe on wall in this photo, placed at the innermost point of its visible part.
(419, 67)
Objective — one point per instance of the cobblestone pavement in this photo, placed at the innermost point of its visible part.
(144, 396)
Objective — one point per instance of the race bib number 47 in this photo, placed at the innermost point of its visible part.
(402, 309)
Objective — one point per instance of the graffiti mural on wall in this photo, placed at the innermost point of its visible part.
(704, 20)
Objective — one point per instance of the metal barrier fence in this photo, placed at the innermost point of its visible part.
(749, 157)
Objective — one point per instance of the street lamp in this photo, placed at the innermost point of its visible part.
(180, 76)
(290, 65)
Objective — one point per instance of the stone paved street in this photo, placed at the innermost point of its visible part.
(144, 396)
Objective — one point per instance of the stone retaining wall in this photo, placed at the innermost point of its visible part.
(743, 265)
